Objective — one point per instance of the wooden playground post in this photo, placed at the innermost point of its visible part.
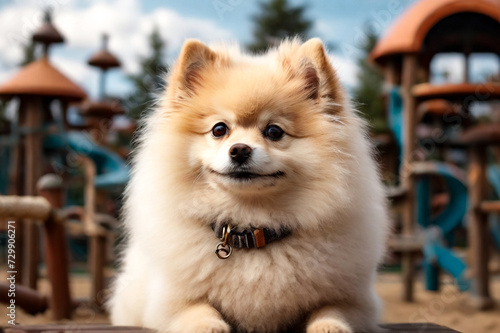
(56, 258)
(478, 228)
(97, 253)
(97, 262)
(40, 209)
(409, 72)
(16, 188)
(32, 122)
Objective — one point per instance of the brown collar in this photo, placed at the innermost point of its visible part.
(250, 238)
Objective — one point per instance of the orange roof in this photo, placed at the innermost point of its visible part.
(104, 59)
(438, 107)
(102, 109)
(481, 91)
(41, 78)
(48, 34)
(482, 134)
(407, 33)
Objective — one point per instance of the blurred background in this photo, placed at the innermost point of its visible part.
(77, 76)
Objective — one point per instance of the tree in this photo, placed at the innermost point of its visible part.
(150, 80)
(29, 53)
(369, 90)
(276, 20)
(30, 50)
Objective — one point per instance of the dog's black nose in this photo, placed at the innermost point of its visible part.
(240, 152)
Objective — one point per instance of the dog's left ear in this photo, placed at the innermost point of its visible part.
(193, 59)
(321, 79)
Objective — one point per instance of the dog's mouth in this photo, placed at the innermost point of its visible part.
(247, 176)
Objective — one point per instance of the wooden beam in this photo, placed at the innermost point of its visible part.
(31, 301)
(56, 252)
(16, 187)
(90, 194)
(409, 74)
(391, 74)
(97, 262)
(19, 207)
(97, 251)
(33, 160)
(478, 229)
(101, 328)
(405, 244)
(490, 206)
(409, 116)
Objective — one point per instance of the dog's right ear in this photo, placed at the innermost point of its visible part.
(194, 57)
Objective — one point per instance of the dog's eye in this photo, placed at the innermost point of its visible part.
(219, 130)
(273, 132)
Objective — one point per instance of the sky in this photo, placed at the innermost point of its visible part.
(339, 23)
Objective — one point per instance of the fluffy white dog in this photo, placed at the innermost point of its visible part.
(264, 158)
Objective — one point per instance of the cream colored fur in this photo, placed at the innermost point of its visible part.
(322, 275)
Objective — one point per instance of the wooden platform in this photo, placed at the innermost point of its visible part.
(390, 328)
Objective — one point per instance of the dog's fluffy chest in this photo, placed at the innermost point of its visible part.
(296, 275)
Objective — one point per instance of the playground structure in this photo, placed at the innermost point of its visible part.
(405, 53)
(41, 137)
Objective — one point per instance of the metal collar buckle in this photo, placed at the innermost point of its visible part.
(223, 249)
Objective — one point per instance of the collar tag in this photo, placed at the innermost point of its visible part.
(249, 239)
(223, 250)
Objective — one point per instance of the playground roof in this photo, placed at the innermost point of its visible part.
(42, 79)
(438, 107)
(483, 134)
(48, 34)
(407, 33)
(104, 59)
(102, 109)
(474, 91)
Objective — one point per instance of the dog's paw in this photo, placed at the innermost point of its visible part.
(329, 326)
(209, 326)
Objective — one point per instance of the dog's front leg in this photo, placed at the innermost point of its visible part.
(344, 319)
(328, 319)
(199, 318)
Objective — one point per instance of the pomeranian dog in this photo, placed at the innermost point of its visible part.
(255, 204)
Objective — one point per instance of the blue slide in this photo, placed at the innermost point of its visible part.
(395, 116)
(438, 229)
(494, 219)
(112, 172)
(4, 169)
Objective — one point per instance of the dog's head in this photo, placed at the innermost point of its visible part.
(255, 124)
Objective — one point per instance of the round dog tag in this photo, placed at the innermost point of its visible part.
(223, 251)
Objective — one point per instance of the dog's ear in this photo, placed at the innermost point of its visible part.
(310, 75)
(193, 59)
(317, 70)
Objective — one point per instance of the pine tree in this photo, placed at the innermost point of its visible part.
(369, 90)
(276, 20)
(29, 53)
(29, 48)
(3, 120)
(150, 80)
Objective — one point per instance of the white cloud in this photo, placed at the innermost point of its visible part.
(77, 71)
(83, 22)
(17, 23)
(347, 71)
(129, 28)
(7, 74)
(324, 28)
(447, 68)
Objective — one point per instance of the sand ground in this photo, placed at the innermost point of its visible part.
(448, 307)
